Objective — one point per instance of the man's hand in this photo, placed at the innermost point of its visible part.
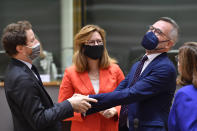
(108, 113)
(80, 103)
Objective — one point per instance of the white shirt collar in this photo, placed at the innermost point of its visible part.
(26, 63)
(29, 65)
(152, 56)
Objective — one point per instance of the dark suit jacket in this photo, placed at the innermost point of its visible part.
(183, 114)
(149, 98)
(31, 106)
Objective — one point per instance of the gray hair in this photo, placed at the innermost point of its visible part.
(174, 32)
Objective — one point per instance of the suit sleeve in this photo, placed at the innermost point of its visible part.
(66, 91)
(183, 115)
(157, 81)
(27, 97)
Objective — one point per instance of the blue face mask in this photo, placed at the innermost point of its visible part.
(150, 41)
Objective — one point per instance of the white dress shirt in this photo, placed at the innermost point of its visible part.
(28, 65)
(95, 84)
(151, 57)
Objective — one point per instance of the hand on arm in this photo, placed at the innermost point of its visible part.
(80, 103)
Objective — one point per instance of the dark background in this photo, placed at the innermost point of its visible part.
(125, 22)
(44, 16)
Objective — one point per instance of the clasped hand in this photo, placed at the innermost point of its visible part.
(80, 103)
(108, 113)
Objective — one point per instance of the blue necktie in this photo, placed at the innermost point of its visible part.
(124, 108)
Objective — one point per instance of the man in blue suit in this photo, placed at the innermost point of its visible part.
(147, 98)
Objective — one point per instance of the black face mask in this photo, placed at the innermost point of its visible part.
(94, 52)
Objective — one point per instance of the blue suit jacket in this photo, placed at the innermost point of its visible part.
(149, 98)
(183, 115)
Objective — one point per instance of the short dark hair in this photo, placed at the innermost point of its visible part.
(15, 34)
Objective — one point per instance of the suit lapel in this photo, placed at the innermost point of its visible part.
(151, 65)
(103, 80)
(30, 72)
(27, 70)
(86, 81)
(132, 73)
(39, 83)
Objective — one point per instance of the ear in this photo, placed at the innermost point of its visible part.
(19, 48)
(170, 44)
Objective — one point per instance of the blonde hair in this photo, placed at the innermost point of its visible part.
(79, 59)
(188, 63)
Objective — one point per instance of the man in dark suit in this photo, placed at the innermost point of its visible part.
(147, 91)
(31, 106)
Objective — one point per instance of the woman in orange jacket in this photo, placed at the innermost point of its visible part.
(92, 72)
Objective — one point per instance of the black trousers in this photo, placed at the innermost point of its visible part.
(123, 128)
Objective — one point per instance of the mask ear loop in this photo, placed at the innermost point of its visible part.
(161, 43)
(34, 46)
(164, 41)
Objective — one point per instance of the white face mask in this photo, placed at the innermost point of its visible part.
(35, 51)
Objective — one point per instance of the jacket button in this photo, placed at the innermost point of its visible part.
(136, 123)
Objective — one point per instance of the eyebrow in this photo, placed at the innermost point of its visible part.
(157, 28)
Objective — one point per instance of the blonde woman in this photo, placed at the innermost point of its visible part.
(92, 72)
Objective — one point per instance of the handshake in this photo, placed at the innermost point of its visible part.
(80, 103)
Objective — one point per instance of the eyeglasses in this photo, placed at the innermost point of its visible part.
(158, 31)
(94, 42)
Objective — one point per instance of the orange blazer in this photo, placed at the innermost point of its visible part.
(75, 82)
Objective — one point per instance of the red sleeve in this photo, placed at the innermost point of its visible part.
(120, 76)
